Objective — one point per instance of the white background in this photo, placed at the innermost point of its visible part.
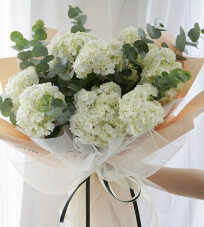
(22, 206)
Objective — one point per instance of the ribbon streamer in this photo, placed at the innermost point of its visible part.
(108, 187)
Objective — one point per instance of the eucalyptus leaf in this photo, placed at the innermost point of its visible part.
(82, 19)
(40, 34)
(52, 73)
(154, 33)
(77, 28)
(75, 85)
(39, 24)
(6, 107)
(12, 119)
(64, 76)
(181, 40)
(45, 103)
(39, 51)
(16, 36)
(42, 67)
(180, 57)
(48, 58)
(73, 12)
(141, 47)
(194, 33)
(35, 43)
(141, 33)
(54, 112)
(191, 44)
(64, 117)
(164, 45)
(1, 101)
(24, 55)
(25, 64)
(18, 47)
(161, 25)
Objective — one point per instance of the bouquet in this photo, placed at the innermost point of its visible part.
(95, 117)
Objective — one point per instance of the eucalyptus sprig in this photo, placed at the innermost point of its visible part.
(80, 19)
(170, 80)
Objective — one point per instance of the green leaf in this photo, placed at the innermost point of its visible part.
(22, 42)
(59, 67)
(24, 55)
(191, 44)
(45, 103)
(77, 28)
(75, 85)
(141, 47)
(154, 33)
(58, 103)
(64, 60)
(180, 57)
(12, 119)
(6, 107)
(1, 101)
(194, 33)
(48, 58)
(40, 34)
(54, 133)
(16, 36)
(35, 43)
(129, 52)
(141, 33)
(64, 76)
(62, 83)
(39, 51)
(73, 12)
(161, 25)
(82, 19)
(202, 31)
(18, 47)
(52, 73)
(39, 24)
(87, 30)
(164, 45)
(54, 112)
(25, 64)
(64, 117)
(42, 67)
(181, 40)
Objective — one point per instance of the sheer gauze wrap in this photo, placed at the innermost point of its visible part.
(56, 166)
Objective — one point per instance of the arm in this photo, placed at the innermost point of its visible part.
(183, 182)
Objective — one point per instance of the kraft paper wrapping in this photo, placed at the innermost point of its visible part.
(171, 129)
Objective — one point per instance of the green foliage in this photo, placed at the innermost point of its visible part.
(170, 80)
(12, 119)
(180, 57)
(1, 101)
(153, 32)
(6, 107)
(79, 20)
(164, 45)
(181, 40)
(24, 55)
(25, 64)
(194, 33)
(45, 103)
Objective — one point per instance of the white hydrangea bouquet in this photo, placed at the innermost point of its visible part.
(91, 106)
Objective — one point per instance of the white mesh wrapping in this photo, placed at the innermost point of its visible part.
(71, 160)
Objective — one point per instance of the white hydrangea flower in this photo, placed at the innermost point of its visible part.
(97, 119)
(17, 83)
(69, 44)
(99, 56)
(138, 112)
(157, 61)
(129, 35)
(34, 123)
